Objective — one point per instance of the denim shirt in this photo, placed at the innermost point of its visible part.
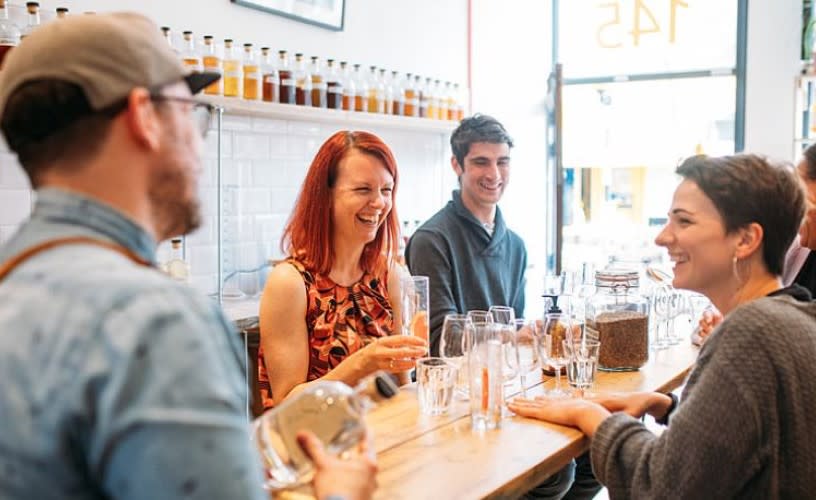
(117, 381)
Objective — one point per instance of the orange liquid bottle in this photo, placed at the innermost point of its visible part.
(252, 74)
(232, 71)
(269, 77)
(334, 87)
(319, 87)
(189, 55)
(212, 64)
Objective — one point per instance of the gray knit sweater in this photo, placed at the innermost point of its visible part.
(467, 268)
(745, 424)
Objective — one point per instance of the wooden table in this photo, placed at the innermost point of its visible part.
(441, 458)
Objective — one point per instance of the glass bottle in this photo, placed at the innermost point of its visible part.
(618, 316)
(167, 36)
(287, 81)
(396, 96)
(332, 410)
(176, 267)
(212, 64)
(62, 12)
(461, 99)
(451, 98)
(9, 32)
(375, 92)
(361, 84)
(232, 71)
(318, 84)
(189, 54)
(303, 83)
(252, 74)
(441, 100)
(425, 100)
(349, 88)
(269, 76)
(334, 86)
(411, 98)
(33, 9)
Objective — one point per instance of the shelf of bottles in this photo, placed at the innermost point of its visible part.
(266, 83)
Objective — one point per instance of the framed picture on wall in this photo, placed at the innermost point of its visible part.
(324, 13)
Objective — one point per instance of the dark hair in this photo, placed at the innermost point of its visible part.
(810, 162)
(748, 188)
(46, 121)
(477, 128)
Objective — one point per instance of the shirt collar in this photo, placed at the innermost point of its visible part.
(70, 209)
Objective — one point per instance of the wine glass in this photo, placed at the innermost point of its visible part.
(453, 346)
(528, 353)
(556, 328)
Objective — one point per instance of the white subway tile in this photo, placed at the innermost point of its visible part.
(206, 234)
(272, 173)
(202, 259)
(251, 147)
(305, 128)
(267, 125)
(283, 200)
(236, 173)
(208, 197)
(256, 201)
(15, 206)
(236, 123)
(279, 146)
(211, 145)
(209, 174)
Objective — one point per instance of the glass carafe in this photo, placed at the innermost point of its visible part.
(618, 316)
(332, 410)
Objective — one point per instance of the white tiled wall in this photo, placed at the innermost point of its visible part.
(264, 162)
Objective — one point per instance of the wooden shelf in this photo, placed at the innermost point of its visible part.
(350, 119)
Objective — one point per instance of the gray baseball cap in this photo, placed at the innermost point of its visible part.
(106, 55)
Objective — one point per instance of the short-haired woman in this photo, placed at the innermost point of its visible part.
(327, 311)
(744, 427)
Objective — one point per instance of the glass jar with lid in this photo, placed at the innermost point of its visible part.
(618, 316)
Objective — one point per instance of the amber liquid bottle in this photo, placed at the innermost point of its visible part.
(319, 97)
(189, 56)
(397, 103)
(349, 88)
(287, 80)
(212, 64)
(411, 99)
(360, 101)
(9, 32)
(375, 92)
(303, 84)
(232, 71)
(269, 77)
(252, 74)
(334, 87)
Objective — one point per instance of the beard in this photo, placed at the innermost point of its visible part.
(175, 212)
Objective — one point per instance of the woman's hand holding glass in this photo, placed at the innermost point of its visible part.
(394, 354)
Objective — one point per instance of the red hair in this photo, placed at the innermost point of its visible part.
(308, 234)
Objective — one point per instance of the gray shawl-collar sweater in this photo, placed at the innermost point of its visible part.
(467, 267)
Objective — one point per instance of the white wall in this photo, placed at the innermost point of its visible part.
(428, 37)
(774, 37)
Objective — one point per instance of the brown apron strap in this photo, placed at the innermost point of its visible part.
(11, 264)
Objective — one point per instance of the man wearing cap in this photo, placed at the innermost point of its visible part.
(117, 381)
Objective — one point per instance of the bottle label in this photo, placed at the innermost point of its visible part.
(273, 79)
(318, 86)
(287, 82)
(336, 89)
(251, 75)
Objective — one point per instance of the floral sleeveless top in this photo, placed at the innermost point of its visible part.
(340, 320)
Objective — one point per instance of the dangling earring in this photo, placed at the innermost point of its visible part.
(735, 268)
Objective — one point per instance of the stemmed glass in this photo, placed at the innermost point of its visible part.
(453, 346)
(527, 350)
(480, 316)
(556, 328)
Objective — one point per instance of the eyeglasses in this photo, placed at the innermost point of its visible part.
(202, 112)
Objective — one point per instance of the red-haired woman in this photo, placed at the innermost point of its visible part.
(326, 311)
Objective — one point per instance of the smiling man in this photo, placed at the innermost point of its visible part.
(472, 259)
